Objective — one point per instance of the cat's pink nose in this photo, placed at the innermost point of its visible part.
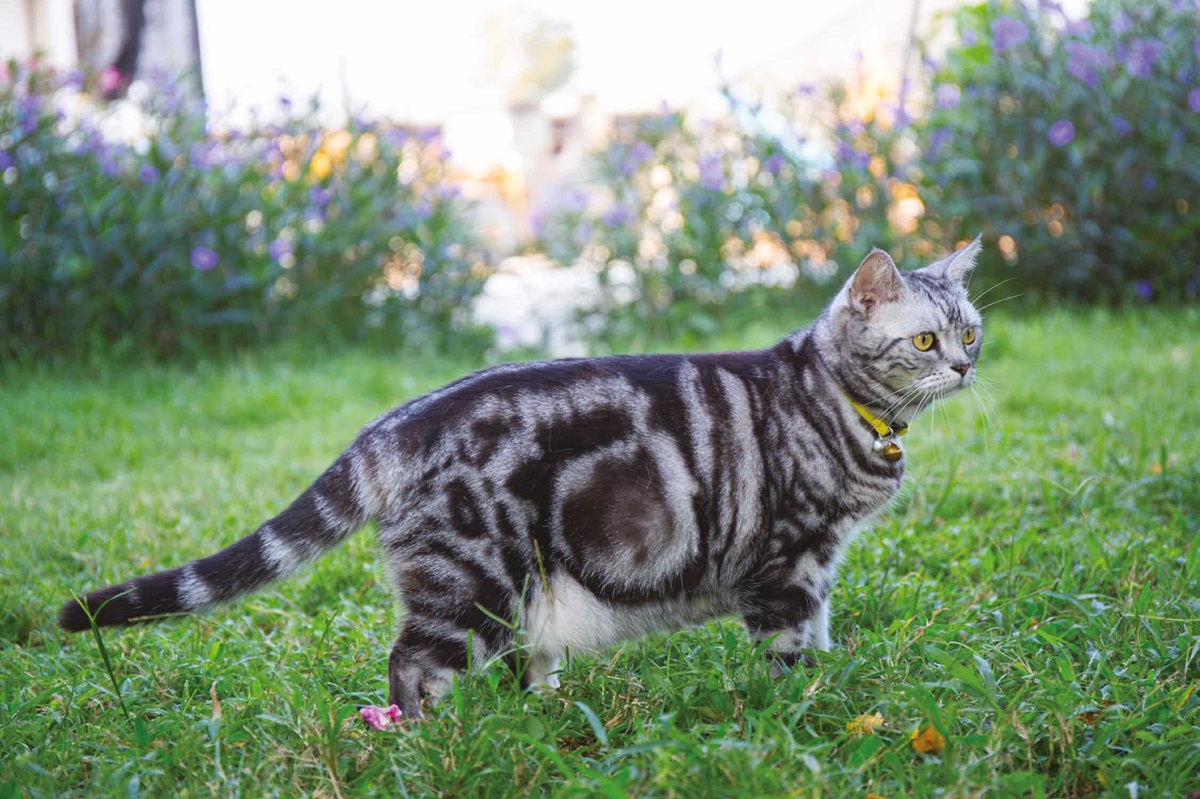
(962, 368)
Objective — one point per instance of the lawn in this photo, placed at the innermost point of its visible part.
(1032, 599)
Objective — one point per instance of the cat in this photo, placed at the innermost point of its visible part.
(529, 510)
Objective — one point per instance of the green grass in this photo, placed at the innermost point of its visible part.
(1033, 596)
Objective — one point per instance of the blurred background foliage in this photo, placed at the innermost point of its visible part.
(191, 240)
(1072, 144)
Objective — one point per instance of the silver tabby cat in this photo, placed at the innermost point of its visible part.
(595, 499)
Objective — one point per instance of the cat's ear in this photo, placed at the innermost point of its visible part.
(959, 265)
(875, 282)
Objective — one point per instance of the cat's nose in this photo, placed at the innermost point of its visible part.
(962, 368)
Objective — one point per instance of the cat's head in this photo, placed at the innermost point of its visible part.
(905, 338)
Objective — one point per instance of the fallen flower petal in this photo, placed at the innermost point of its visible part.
(865, 724)
(378, 718)
(927, 741)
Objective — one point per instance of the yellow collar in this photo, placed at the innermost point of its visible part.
(886, 444)
(881, 427)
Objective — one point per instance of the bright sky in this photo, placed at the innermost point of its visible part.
(424, 61)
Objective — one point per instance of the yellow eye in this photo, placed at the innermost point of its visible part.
(969, 336)
(923, 341)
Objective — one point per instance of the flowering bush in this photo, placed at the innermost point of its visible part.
(690, 224)
(1072, 144)
(1076, 142)
(179, 240)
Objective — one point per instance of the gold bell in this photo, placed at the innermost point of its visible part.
(892, 452)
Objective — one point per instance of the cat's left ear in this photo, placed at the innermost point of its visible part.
(875, 282)
(959, 265)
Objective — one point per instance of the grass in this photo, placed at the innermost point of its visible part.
(1033, 597)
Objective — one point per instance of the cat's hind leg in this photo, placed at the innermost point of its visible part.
(455, 604)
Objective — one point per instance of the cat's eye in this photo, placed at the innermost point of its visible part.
(924, 341)
(969, 336)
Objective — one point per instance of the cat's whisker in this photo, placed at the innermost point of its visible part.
(988, 408)
(990, 289)
(1002, 299)
(893, 410)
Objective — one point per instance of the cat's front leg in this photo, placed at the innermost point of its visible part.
(790, 616)
(820, 625)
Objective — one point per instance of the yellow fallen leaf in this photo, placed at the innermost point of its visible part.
(872, 796)
(864, 724)
(927, 741)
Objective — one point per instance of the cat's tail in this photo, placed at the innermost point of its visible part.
(320, 518)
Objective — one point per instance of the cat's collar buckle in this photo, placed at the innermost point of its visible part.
(888, 443)
(889, 447)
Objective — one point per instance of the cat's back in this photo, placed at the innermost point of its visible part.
(583, 391)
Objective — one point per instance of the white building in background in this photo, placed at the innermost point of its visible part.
(38, 26)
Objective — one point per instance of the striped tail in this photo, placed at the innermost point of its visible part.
(320, 518)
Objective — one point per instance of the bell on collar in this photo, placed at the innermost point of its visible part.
(892, 452)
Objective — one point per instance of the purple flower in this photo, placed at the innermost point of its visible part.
(424, 207)
(1121, 23)
(147, 174)
(574, 200)
(6, 160)
(1008, 32)
(1143, 53)
(619, 215)
(969, 37)
(396, 137)
(429, 135)
(937, 140)
(1121, 125)
(640, 152)
(1149, 183)
(320, 196)
(109, 165)
(1049, 5)
(1061, 133)
(204, 258)
(712, 173)
(199, 155)
(946, 96)
(809, 89)
(774, 163)
(1084, 61)
(277, 249)
(1079, 28)
(1144, 289)
(1194, 100)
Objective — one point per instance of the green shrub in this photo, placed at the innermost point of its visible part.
(688, 224)
(185, 240)
(1072, 144)
(1078, 140)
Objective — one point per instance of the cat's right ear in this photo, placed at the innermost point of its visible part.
(875, 282)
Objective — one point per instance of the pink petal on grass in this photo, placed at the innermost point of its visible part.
(380, 718)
